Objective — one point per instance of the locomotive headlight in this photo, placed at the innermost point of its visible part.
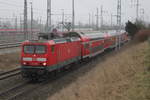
(24, 63)
(41, 59)
(44, 64)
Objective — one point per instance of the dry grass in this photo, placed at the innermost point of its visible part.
(142, 35)
(9, 61)
(148, 57)
(114, 79)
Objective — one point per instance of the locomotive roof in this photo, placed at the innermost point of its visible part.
(64, 40)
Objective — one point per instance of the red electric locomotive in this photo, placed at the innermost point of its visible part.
(39, 57)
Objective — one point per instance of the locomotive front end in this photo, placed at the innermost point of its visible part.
(34, 59)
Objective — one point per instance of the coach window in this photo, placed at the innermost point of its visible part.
(53, 48)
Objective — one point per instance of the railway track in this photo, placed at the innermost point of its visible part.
(10, 93)
(9, 74)
(10, 45)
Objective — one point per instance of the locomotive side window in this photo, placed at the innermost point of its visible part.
(29, 49)
(86, 45)
(39, 49)
(52, 48)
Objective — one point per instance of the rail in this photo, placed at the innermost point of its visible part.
(10, 45)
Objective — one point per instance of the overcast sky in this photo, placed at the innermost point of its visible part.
(11, 8)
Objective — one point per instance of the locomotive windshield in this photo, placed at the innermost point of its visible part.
(37, 49)
(40, 49)
(28, 49)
